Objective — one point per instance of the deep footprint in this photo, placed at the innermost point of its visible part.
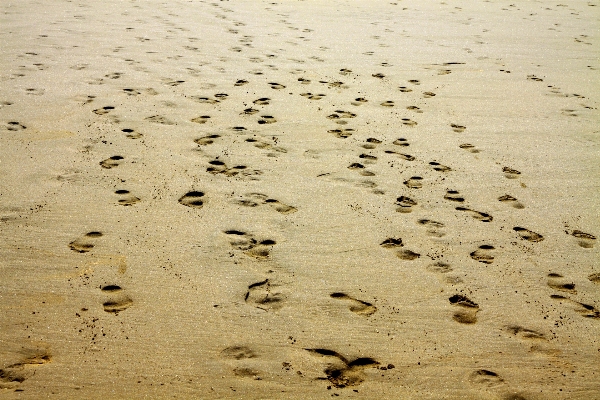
(192, 199)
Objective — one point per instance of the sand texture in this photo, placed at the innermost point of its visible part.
(299, 199)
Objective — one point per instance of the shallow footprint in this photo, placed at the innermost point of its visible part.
(511, 173)
(508, 199)
(585, 240)
(432, 227)
(458, 128)
(405, 204)
(86, 243)
(357, 306)
(111, 162)
(528, 235)
(469, 147)
(127, 199)
(414, 182)
(468, 309)
(485, 378)
(280, 207)
(481, 216)
(557, 282)
(454, 195)
(263, 295)
(483, 254)
(206, 140)
(439, 167)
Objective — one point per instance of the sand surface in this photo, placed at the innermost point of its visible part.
(299, 199)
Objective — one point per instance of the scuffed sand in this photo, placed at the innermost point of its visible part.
(299, 199)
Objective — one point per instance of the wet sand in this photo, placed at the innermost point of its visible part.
(251, 199)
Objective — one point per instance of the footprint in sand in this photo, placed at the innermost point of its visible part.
(263, 101)
(219, 167)
(403, 156)
(586, 310)
(266, 119)
(103, 110)
(585, 240)
(481, 216)
(312, 96)
(528, 235)
(454, 195)
(409, 122)
(405, 204)
(359, 101)
(356, 306)
(414, 182)
(483, 254)
(433, 227)
(13, 126)
(341, 372)
(261, 144)
(440, 268)
(85, 243)
(467, 313)
(371, 143)
(238, 353)
(594, 278)
(524, 333)
(439, 167)
(558, 282)
(201, 119)
(404, 89)
(131, 133)
(117, 300)
(111, 162)
(361, 168)
(342, 133)
(12, 375)
(206, 140)
(407, 255)
(260, 250)
(255, 199)
(264, 295)
(511, 173)
(485, 378)
(458, 128)
(159, 119)
(277, 86)
(512, 201)
(192, 199)
(401, 142)
(469, 147)
(126, 198)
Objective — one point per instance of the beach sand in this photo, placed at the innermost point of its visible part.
(299, 199)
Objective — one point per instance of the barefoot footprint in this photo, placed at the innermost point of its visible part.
(356, 306)
(483, 254)
(85, 243)
(117, 301)
(264, 295)
(467, 313)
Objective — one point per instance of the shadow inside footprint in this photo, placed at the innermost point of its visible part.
(405, 204)
(468, 312)
(528, 235)
(585, 240)
(263, 295)
(356, 306)
(192, 199)
(508, 199)
(481, 216)
(111, 162)
(483, 254)
(86, 243)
